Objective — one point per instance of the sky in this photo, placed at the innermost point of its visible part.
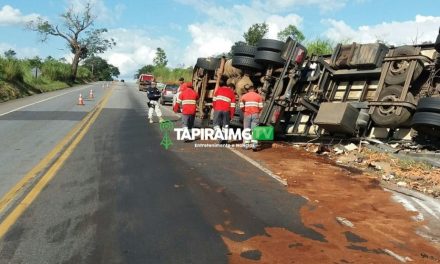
(188, 29)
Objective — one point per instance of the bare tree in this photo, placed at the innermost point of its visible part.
(77, 29)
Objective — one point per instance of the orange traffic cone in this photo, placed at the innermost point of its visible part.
(91, 96)
(80, 100)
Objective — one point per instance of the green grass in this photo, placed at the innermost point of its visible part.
(167, 75)
(16, 79)
(408, 164)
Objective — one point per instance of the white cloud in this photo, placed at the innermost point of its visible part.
(10, 16)
(225, 26)
(103, 13)
(22, 52)
(136, 48)
(274, 6)
(419, 30)
(289, 5)
(277, 23)
(208, 40)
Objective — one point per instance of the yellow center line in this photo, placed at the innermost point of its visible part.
(80, 130)
(45, 162)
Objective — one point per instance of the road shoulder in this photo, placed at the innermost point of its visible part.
(345, 202)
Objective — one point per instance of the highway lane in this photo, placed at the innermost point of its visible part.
(122, 198)
(30, 127)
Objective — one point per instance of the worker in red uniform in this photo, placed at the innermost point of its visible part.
(224, 106)
(182, 86)
(187, 103)
(251, 104)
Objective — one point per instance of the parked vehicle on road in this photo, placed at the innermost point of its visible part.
(145, 81)
(360, 90)
(168, 93)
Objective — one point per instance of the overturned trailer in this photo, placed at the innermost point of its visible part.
(360, 90)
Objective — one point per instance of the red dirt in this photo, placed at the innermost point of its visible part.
(333, 192)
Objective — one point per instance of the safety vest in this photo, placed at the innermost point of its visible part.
(251, 103)
(224, 100)
(187, 101)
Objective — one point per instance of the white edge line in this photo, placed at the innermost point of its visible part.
(24, 106)
(256, 164)
(426, 208)
(251, 161)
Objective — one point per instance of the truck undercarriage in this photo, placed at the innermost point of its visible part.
(358, 91)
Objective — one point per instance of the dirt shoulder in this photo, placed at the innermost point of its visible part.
(359, 220)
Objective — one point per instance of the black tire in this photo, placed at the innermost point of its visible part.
(429, 104)
(270, 45)
(426, 123)
(242, 62)
(269, 57)
(385, 116)
(399, 69)
(210, 64)
(244, 50)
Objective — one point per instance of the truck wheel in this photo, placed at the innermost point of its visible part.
(386, 116)
(244, 50)
(269, 57)
(427, 123)
(399, 69)
(210, 64)
(270, 45)
(429, 104)
(245, 63)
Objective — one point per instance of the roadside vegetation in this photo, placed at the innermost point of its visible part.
(161, 72)
(317, 46)
(23, 77)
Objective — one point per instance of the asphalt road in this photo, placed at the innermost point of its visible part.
(120, 197)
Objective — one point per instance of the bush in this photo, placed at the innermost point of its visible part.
(164, 74)
(320, 47)
(84, 74)
(12, 70)
(56, 70)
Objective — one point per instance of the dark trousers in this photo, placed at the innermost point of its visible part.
(221, 119)
(188, 121)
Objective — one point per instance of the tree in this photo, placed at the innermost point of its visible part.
(255, 33)
(10, 54)
(101, 69)
(49, 58)
(77, 30)
(160, 60)
(320, 47)
(35, 62)
(145, 69)
(291, 30)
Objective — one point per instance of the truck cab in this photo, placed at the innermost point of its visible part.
(145, 81)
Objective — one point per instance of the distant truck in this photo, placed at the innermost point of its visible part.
(360, 90)
(145, 81)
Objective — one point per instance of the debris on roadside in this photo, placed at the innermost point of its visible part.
(350, 147)
(404, 172)
(344, 221)
(398, 257)
(402, 184)
(340, 199)
(388, 177)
